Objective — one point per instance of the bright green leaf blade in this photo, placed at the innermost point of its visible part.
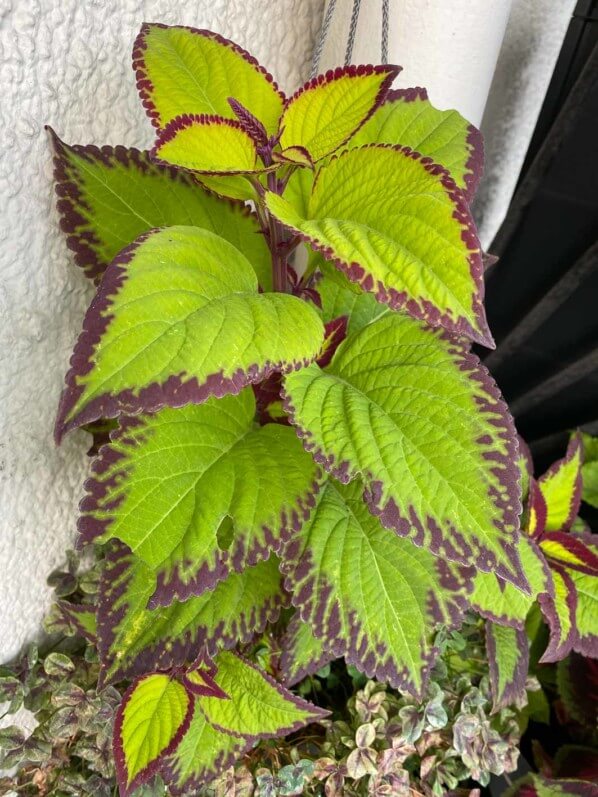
(133, 639)
(325, 112)
(188, 71)
(501, 602)
(586, 613)
(203, 754)
(151, 720)
(177, 319)
(561, 487)
(208, 144)
(199, 491)
(108, 197)
(421, 421)
(371, 596)
(508, 659)
(232, 186)
(559, 610)
(589, 474)
(303, 653)
(259, 707)
(340, 297)
(409, 118)
(398, 226)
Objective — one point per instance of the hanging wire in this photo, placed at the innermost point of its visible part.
(322, 38)
(352, 31)
(384, 44)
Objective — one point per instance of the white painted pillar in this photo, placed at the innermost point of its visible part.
(448, 46)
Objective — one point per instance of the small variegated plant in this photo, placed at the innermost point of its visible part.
(277, 373)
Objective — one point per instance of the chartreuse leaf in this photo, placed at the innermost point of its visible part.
(199, 491)
(561, 487)
(207, 144)
(559, 611)
(187, 71)
(340, 297)
(202, 755)
(133, 639)
(421, 421)
(398, 226)
(501, 602)
(151, 720)
(108, 197)
(589, 470)
(324, 112)
(368, 594)
(178, 318)
(408, 118)
(586, 612)
(303, 653)
(508, 659)
(259, 707)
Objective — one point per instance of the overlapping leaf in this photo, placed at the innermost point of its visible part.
(508, 659)
(108, 197)
(369, 595)
(199, 491)
(561, 487)
(339, 297)
(178, 318)
(420, 420)
(188, 71)
(133, 639)
(303, 653)
(398, 225)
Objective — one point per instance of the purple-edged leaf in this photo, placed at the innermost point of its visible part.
(199, 491)
(82, 618)
(178, 318)
(183, 70)
(572, 550)
(108, 197)
(409, 118)
(339, 298)
(508, 659)
(133, 639)
(559, 612)
(561, 487)
(302, 653)
(536, 511)
(203, 754)
(200, 682)
(565, 787)
(369, 595)
(526, 466)
(259, 707)
(327, 110)
(207, 144)
(397, 225)
(421, 421)
(153, 716)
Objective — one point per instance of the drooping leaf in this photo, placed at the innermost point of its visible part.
(108, 197)
(208, 144)
(134, 639)
(421, 421)
(203, 754)
(559, 612)
(499, 601)
(183, 70)
(82, 617)
(328, 109)
(508, 659)
(561, 487)
(178, 318)
(259, 707)
(407, 117)
(303, 653)
(151, 720)
(397, 225)
(199, 491)
(368, 594)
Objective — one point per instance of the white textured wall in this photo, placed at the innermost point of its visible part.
(67, 63)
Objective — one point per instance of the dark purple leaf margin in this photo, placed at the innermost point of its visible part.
(574, 449)
(290, 674)
(515, 687)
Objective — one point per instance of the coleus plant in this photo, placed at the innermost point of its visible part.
(316, 433)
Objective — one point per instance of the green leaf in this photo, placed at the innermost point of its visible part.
(151, 720)
(188, 71)
(203, 754)
(340, 297)
(589, 470)
(569, 787)
(303, 653)
(259, 707)
(108, 197)
(421, 421)
(368, 594)
(508, 659)
(559, 611)
(409, 118)
(134, 639)
(561, 487)
(398, 226)
(177, 319)
(207, 144)
(325, 112)
(501, 602)
(199, 491)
